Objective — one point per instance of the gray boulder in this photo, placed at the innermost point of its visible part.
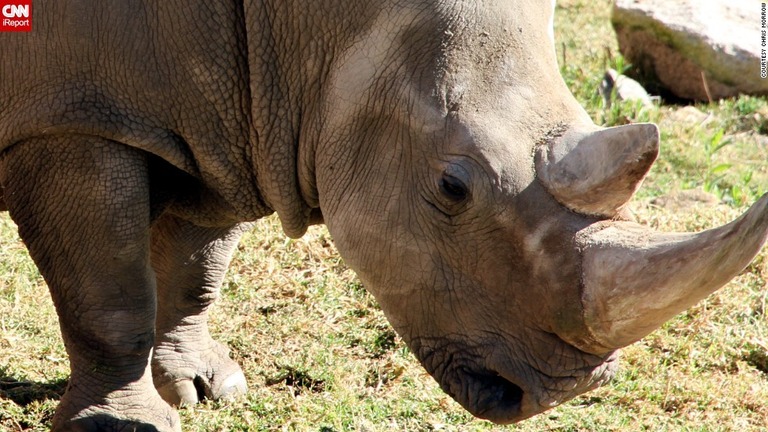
(697, 50)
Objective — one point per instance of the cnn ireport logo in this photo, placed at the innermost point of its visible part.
(15, 15)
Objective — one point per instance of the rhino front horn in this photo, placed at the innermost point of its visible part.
(596, 171)
(635, 279)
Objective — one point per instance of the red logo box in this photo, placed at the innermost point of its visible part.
(15, 15)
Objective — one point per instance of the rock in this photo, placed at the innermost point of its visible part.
(676, 42)
(624, 88)
(687, 115)
(755, 141)
(686, 199)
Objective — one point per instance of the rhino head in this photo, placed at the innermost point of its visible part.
(484, 210)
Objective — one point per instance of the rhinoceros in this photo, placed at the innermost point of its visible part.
(437, 141)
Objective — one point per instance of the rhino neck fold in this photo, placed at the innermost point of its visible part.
(280, 67)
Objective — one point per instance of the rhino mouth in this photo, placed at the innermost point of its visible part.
(491, 396)
(497, 397)
(494, 384)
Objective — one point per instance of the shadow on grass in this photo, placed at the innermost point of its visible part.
(23, 392)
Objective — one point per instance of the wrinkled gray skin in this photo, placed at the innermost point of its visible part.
(436, 137)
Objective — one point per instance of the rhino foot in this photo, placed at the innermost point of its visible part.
(140, 412)
(185, 377)
(107, 423)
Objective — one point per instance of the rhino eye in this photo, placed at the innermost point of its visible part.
(453, 188)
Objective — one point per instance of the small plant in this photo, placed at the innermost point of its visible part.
(714, 171)
(744, 192)
(618, 63)
(720, 180)
(627, 112)
(746, 114)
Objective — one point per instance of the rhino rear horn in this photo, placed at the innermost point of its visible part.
(596, 172)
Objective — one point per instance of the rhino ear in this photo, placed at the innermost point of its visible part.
(597, 171)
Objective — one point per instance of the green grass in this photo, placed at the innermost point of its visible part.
(319, 355)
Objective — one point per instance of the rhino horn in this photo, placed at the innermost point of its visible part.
(634, 279)
(596, 171)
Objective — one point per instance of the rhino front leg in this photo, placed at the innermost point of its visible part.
(190, 262)
(82, 207)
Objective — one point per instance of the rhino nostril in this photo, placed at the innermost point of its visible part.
(502, 392)
(510, 394)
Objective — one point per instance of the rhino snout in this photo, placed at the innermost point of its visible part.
(513, 390)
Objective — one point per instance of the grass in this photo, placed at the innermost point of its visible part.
(319, 355)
